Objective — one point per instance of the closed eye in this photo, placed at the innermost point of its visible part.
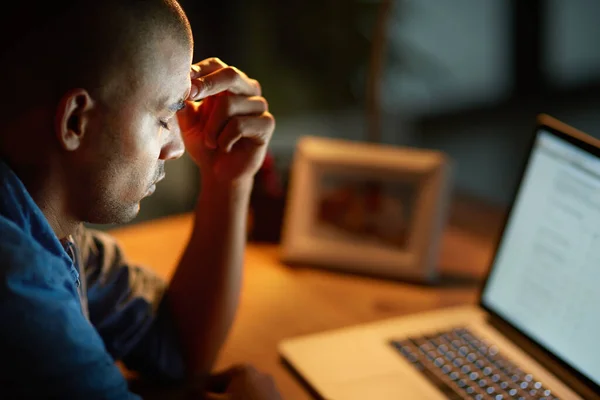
(164, 124)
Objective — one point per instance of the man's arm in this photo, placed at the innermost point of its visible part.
(226, 134)
(205, 289)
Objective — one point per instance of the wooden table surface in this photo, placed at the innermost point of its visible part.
(279, 302)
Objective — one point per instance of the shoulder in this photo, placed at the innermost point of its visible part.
(25, 260)
(49, 349)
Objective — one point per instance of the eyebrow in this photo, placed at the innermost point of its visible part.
(178, 106)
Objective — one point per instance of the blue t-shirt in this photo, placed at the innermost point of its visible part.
(69, 309)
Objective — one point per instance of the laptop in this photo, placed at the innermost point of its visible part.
(535, 333)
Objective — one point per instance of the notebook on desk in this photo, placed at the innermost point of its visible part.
(535, 333)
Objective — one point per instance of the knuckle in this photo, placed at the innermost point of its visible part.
(216, 60)
(264, 102)
(270, 119)
(230, 73)
(257, 85)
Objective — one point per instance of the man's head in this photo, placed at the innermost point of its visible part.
(93, 90)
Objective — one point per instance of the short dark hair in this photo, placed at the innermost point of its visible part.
(50, 47)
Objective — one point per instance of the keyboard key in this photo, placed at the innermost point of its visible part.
(461, 364)
(426, 347)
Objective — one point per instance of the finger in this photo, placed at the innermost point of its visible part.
(219, 382)
(259, 129)
(206, 67)
(227, 106)
(225, 79)
(201, 69)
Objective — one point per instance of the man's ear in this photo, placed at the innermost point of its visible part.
(72, 116)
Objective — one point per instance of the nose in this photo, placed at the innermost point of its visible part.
(174, 147)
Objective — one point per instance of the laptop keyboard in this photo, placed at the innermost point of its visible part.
(463, 366)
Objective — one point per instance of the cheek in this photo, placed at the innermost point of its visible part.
(141, 154)
(142, 140)
(135, 158)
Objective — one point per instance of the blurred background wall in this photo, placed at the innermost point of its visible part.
(463, 76)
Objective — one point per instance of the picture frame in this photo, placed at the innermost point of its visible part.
(366, 208)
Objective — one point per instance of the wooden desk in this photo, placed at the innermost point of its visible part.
(280, 302)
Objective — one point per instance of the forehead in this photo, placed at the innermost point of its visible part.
(166, 71)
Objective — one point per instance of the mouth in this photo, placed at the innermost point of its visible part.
(152, 188)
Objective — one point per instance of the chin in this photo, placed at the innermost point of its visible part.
(128, 215)
(115, 215)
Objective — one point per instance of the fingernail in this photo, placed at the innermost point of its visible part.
(195, 71)
(194, 91)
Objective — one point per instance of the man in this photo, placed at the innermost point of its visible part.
(94, 106)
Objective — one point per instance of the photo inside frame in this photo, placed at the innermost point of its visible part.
(364, 210)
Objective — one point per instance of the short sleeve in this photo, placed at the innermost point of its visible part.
(127, 306)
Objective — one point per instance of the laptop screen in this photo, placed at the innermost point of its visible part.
(546, 276)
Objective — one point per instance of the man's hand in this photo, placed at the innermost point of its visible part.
(226, 125)
(242, 383)
(226, 128)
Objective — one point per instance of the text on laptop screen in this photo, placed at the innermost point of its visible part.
(545, 279)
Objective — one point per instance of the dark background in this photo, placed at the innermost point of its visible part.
(463, 76)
